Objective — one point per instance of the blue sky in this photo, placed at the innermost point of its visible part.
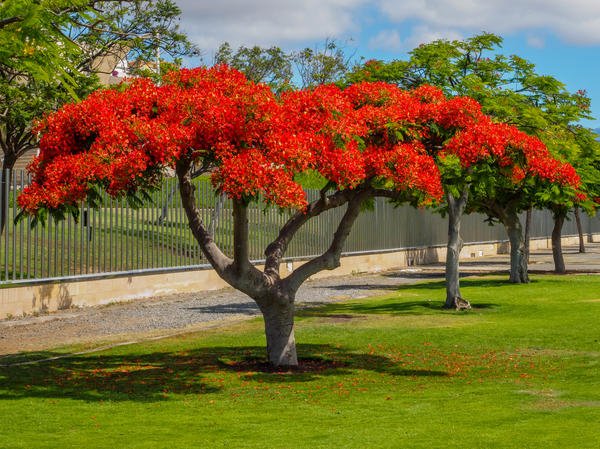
(561, 38)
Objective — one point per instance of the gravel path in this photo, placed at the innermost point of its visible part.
(166, 315)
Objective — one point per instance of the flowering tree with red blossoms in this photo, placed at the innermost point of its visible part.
(494, 168)
(506, 171)
(491, 168)
(369, 140)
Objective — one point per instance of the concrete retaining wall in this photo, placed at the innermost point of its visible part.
(52, 296)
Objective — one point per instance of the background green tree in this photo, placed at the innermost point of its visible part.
(271, 65)
(309, 67)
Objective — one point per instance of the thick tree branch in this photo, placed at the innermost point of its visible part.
(3, 140)
(330, 259)
(276, 249)
(241, 258)
(242, 274)
(25, 140)
(238, 273)
(458, 204)
(211, 251)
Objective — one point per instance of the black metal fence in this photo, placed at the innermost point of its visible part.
(117, 238)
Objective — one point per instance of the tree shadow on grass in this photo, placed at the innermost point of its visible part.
(428, 275)
(476, 280)
(150, 377)
(386, 306)
(328, 361)
(403, 304)
(238, 308)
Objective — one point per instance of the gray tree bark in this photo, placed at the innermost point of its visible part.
(278, 314)
(456, 208)
(557, 254)
(579, 229)
(518, 261)
(528, 215)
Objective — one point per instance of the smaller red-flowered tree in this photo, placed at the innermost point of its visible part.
(502, 175)
(491, 168)
(578, 145)
(509, 89)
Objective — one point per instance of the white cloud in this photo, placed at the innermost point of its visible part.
(295, 23)
(266, 22)
(387, 40)
(576, 21)
(536, 41)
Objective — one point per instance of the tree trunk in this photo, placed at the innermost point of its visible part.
(557, 255)
(579, 230)
(528, 215)
(518, 261)
(279, 330)
(456, 208)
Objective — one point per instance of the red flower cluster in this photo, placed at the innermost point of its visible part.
(509, 147)
(121, 140)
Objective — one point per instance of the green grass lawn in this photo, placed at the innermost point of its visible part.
(521, 370)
